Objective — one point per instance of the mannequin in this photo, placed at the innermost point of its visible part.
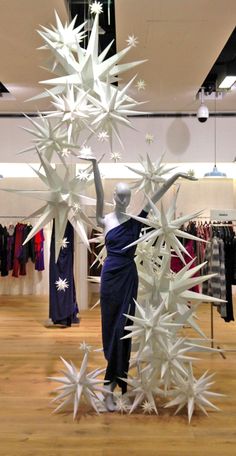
(119, 279)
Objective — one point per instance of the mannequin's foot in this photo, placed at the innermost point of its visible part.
(109, 399)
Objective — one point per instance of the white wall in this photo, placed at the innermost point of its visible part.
(184, 140)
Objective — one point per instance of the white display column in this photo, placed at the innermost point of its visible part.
(80, 273)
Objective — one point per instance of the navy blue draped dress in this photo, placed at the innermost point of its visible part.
(63, 307)
(119, 286)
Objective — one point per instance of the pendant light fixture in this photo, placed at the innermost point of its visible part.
(215, 172)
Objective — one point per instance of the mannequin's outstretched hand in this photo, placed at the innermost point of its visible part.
(187, 176)
(87, 157)
(91, 158)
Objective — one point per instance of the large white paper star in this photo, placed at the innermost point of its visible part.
(76, 384)
(193, 393)
(148, 325)
(113, 107)
(65, 38)
(142, 388)
(151, 174)
(49, 138)
(73, 109)
(166, 229)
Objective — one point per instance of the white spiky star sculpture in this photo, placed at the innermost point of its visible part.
(151, 174)
(76, 384)
(193, 393)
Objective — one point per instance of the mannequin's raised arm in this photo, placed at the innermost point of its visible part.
(161, 191)
(99, 193)
(98, 189)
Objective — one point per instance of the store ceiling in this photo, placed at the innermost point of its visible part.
(181, 40)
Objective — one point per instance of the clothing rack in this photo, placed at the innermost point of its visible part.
(232, 224)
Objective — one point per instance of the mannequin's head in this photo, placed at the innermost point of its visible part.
(122, 195)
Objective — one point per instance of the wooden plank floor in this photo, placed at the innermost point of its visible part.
(29, 353)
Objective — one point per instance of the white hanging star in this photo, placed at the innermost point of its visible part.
(166, 229)
(115, 156)
(132, 41)
(193, 393)
(141, 84)
(48, 138)
(96, 8)
(76, 384)
(72, 108)
(113, 107)
(151, 174)
(63, 37)
(149, 138)
(103, 136)
(63, 243)
(61, 284)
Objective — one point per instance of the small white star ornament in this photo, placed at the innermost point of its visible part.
(61, 284)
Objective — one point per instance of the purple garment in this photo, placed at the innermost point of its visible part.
(119, 285)
(39, 250)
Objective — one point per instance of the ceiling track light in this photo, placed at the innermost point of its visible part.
(203, 112)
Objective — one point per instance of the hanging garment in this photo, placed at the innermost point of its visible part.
(63, 307)
(18, 267)
(119, 285)
(3, 251)
(38, 250)
(10, 246)
(176, 264)
(216, 286)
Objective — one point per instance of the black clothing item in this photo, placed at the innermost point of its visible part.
(3, 251)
